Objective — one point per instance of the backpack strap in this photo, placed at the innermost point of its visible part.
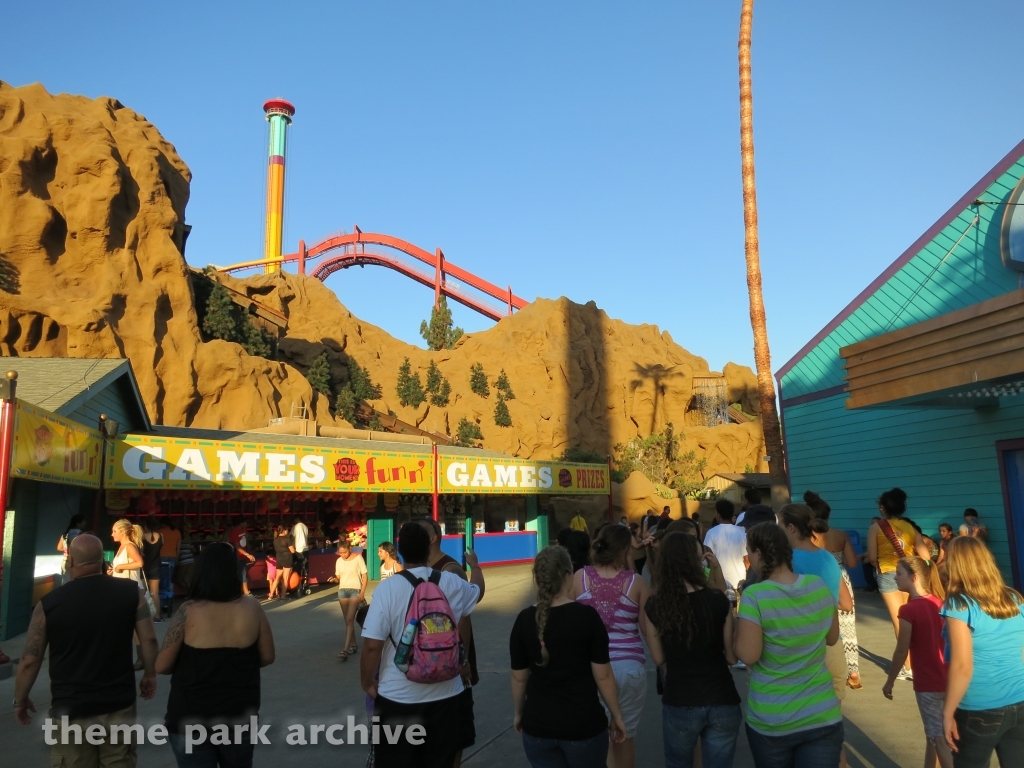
(435, 578)
(414, 581)
(890, 534)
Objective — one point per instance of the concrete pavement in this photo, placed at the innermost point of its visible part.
(308, 685)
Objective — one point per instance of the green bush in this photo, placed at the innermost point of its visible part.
(440, 332)
(219, 322)
(501, 415)
(319, 374)
(478, 380)
(504, 387)
(468, 433)
(410, 388)
(437, 386)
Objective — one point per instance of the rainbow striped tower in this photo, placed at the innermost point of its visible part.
(279, 115)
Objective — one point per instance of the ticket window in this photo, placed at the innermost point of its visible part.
(505, 513)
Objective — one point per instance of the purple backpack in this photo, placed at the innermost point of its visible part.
(436, 649)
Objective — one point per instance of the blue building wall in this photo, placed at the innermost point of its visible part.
(945, 459)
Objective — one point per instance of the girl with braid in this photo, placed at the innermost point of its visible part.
(559, 653)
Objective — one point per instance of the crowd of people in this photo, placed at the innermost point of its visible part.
(764, 595)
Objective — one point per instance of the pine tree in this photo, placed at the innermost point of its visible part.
(360, 383)
(440, 332)
(478, 380)
(410, 388)
(345, 405)
(219, 322)
(501, 415)
(504, 387)
(255, 340)
(437, 386)
(443, 394)
(468, 433)
(319, 374)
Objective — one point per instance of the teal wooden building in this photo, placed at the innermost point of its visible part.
(919, 382)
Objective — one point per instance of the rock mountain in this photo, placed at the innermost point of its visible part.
(92, 234)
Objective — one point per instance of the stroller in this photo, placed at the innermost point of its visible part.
(301, 567)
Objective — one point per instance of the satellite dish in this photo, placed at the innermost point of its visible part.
(1012, 235)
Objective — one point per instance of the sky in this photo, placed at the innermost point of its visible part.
(580, 149)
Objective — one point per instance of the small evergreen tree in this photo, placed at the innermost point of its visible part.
(219, 322)
(442, 395)
(319, 374)
(255, 340)
(437, 386)
(501, 415)
(345, 405)
(440, 332)
(410, 388)
(478, 380)
(360, 383)
(468, 433)
(503, 386)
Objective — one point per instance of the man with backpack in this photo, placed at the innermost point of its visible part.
(418, 610)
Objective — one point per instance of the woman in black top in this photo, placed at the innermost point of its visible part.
(284, 551)
(213, 650)
(152, 543)
(559, 651)
(689, 632)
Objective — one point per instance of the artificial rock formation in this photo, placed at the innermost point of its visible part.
(92, 234)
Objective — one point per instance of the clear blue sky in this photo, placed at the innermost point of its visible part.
(584, 149)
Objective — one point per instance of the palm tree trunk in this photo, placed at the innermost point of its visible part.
(758, 323)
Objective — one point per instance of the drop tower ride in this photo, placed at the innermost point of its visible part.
(279, 114)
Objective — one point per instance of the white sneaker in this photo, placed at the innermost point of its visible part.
(906, 674)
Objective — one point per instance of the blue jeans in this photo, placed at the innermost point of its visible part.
(716, 727)
(558, 753)
(804, 749)
(207, 755)
(983, 731)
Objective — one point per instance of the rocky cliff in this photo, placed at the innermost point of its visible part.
(92, 231)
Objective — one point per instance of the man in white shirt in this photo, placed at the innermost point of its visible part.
(301, 534)
(729, 543)
(398, 700)
(300, 565)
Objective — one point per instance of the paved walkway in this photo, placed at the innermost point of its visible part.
(308, 685)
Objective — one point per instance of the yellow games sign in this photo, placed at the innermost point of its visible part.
(146, 461)
(478, 474)
(52, 449)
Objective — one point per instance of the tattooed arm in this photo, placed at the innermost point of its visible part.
(30, 664)
(173, 640)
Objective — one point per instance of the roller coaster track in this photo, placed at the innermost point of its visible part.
(344, 250)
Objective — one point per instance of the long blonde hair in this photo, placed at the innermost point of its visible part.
(927, 574)
(134, 532)
(549, 571)
(973, 574)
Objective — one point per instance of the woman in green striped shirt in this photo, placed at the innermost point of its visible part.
(786, 620)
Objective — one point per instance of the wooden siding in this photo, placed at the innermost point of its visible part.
(116, 402)
(968, 347)
(850, 457)
(943, 277)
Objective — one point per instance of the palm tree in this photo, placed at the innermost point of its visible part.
(758, 323)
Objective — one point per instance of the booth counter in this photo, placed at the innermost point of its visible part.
(494, 548)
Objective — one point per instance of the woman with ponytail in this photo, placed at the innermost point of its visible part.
(559, 653)
(921, 635)
(785, 622)
(613, 588)
(128, 564)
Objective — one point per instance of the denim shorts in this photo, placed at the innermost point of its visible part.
(347, 594)
(886, 582)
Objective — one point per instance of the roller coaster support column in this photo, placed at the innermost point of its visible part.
(279, 115)
(438, 276)
(302, 257)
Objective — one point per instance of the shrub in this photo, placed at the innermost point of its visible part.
(501, 415)
(504, 387)
(410, 388)
(319, 374)
(478, 380)
(440, 332)
(467, 433)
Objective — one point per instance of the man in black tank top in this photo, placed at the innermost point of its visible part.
(439, 561)
(88, 624)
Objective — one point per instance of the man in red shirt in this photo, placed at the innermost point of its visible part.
(235, 536)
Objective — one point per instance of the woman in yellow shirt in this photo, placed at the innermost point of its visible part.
(888, 540)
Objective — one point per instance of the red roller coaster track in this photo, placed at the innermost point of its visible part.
(350, 250)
